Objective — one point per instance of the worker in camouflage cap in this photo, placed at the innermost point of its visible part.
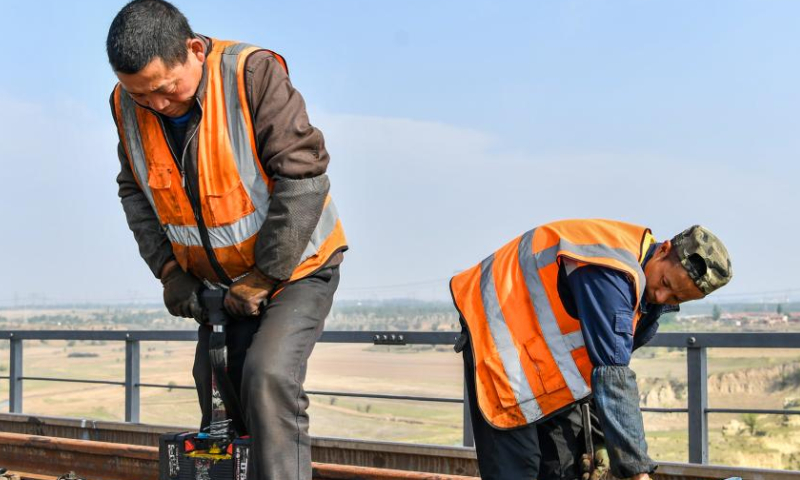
(704, 257)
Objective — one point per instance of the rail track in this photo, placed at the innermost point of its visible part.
(46, 458)
(49, 457)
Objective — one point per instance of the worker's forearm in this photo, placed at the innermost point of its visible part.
(294, 211)
(617, 399)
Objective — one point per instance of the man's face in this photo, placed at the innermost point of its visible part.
(168, 91)
(667, 282)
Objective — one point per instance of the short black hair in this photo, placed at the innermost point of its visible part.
(144, 30)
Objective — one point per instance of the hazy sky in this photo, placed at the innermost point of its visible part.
(452, 127)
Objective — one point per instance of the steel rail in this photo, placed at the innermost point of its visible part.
(111, 461)
(30, 476)
(45, 457)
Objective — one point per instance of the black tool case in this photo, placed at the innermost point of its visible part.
(176, 464)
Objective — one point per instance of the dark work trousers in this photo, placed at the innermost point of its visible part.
(546, 450)
(267, 362)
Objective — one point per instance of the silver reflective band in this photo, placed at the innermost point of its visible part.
(574, 340)
(184, 235)
(133, 140)
(556, 342)
(219, 237)
(504, 343)
(325, 226)
(246, 227)
(237, 232)
(549, 255)
(238, 133)
(600, 250)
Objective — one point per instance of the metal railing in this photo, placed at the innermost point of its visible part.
(696, 345)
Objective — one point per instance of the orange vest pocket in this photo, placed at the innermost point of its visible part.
(227, 207)
(159, 179)
(543, 361)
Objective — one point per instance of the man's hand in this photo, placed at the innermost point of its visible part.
(181, 292)
(247, 295)
(597, 468)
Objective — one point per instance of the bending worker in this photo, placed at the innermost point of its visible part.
(223, 182)
(551, 319)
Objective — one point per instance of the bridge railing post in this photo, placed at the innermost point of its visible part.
(132, 380)
(697, 377)
(15, 376)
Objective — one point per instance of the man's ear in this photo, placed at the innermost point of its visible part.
(664, 248)
(197, 48)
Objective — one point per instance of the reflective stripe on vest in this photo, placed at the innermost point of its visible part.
(325, 227)
(505, 345)
(225, 161)
(551, 332)
(538, 313)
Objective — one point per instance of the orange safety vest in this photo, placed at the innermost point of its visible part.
(234, 191)
(530, 358)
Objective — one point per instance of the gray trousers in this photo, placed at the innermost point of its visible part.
(267, 363)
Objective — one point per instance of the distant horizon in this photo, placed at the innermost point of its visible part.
(792, 305)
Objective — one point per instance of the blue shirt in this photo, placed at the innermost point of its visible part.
(177, 127)
(604, 300)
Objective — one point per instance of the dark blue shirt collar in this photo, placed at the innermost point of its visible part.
(182, 120)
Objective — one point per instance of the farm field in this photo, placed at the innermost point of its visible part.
(738, 378)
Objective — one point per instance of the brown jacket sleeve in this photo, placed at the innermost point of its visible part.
(154, 246)
(293, 154)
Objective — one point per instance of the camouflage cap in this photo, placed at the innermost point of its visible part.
(704, 257)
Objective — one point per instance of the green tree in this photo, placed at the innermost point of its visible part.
(716, 312)
(779, 309)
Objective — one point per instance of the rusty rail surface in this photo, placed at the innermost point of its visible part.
(335, 451)
(110, 461)
(44, 458)
(29, 476)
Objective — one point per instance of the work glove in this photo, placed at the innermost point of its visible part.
(249, 294)
(601, 462)
(182, 294)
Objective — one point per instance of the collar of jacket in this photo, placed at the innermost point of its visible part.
(201, 87)
(645, 307)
